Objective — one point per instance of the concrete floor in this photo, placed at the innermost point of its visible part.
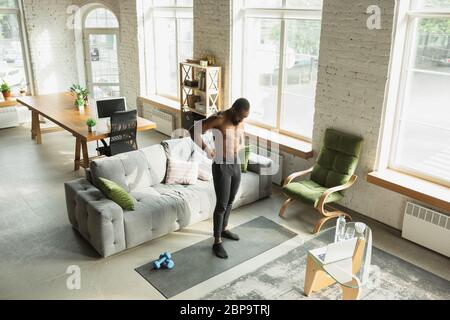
(37, 243)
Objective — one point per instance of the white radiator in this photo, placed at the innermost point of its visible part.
(427, 227)
(164, 122)
(277, 178)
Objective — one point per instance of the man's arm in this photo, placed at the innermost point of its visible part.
(202, 127)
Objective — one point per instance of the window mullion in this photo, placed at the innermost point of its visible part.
(404, 83)
(281, 72)
(177, 51)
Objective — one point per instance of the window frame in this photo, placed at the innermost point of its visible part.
(151, 13)
(401, 62)
(86, 32)
(282, 14)
(19, 12)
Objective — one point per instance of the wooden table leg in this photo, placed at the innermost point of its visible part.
(37, 129)
(85, 154)
(77, 153)
(315, 278)
(33, 125)
(352, 293)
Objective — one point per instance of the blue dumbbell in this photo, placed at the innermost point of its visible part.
(165, 260)
(168, 264)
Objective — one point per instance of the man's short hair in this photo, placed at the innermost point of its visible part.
(241, 105)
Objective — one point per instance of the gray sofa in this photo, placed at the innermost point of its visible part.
(159, 208)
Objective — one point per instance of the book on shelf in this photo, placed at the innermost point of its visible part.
(202, 81)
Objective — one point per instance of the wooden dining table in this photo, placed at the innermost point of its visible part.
(60, 109)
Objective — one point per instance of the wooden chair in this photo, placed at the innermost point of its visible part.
(333, 173)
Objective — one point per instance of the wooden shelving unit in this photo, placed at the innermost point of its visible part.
(209, 90)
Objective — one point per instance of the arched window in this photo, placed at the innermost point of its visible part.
(101, 35)
(101, 18)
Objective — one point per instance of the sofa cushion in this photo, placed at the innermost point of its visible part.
(157, 163)
(309, 192)
(132, 170)
(154, 216)
(181, 172)
(337, 160)
(109, 168)
(200, 198)
(116, 193)
(181, 149)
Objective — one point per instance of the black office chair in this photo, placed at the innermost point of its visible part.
(123, 134)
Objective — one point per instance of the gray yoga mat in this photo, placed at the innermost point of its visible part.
(197, 263)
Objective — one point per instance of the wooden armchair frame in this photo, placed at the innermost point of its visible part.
(326, 215)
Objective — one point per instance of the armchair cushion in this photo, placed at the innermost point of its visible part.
(338, 159)
(309, 192)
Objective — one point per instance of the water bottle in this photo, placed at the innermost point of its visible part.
(340, 228)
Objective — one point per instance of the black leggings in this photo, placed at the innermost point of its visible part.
(227, 178)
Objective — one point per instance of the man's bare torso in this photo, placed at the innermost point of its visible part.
(228, 137)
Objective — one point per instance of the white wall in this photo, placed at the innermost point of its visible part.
(51, 45)
(56, 52)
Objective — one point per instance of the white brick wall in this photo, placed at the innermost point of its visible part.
(130, 63)
(212, 35)
(51, 44)
(353, 71)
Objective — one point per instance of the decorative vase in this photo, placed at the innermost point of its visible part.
(91, 129)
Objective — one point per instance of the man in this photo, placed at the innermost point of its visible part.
(228, 129)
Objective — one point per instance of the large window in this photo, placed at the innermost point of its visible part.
(101, 32)
(169, 41)
(280, 60)
(12, 59)
(421, 138)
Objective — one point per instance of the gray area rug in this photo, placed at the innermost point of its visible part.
(391, 278)
(197, 263)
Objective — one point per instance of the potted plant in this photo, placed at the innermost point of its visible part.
(80, 93)
(80, 103)
(6, 90)
(91, 124)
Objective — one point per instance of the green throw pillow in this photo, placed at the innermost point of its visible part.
(116, 193)
(245, 156)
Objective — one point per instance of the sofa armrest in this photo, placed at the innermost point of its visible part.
(98, 219)
(259, 164)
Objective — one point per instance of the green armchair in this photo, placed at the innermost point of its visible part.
(333, 173)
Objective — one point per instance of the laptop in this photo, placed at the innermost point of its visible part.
(336, 251)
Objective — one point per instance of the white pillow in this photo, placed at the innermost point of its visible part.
(181, 172)
(204, 164)
(205, 169)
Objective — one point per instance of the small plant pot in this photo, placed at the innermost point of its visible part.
(6, 95)
(92, 129)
